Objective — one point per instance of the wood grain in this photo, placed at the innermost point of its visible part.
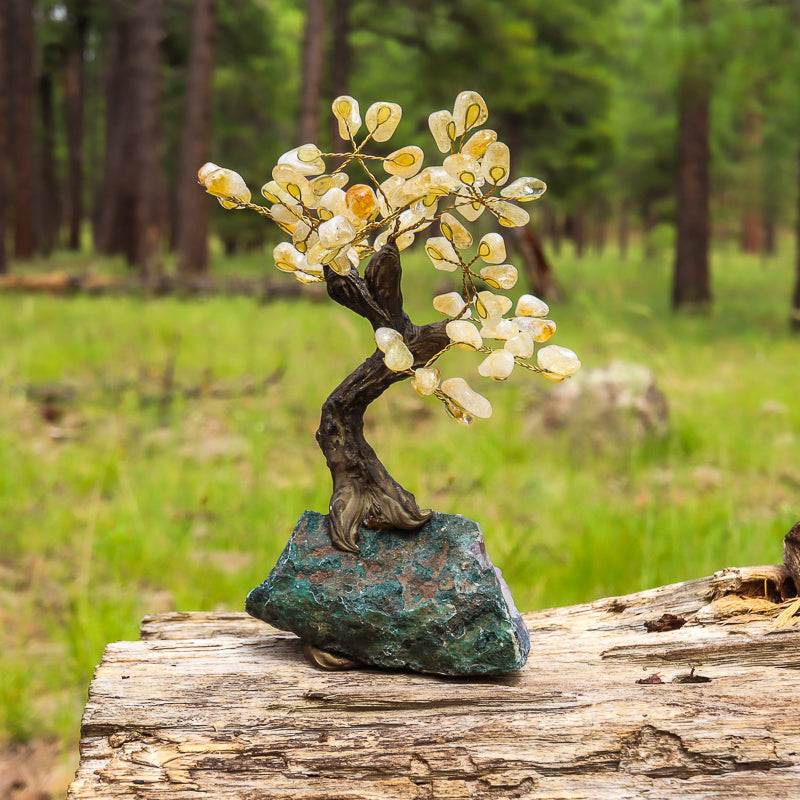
(222, 706)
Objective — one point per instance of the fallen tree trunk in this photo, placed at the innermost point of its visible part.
(62, 283)
(685, 691)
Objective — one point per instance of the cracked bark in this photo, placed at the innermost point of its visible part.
(220, 705)
(363, 491)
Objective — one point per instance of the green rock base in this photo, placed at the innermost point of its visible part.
(426, 601)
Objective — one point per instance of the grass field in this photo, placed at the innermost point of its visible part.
(156, 454)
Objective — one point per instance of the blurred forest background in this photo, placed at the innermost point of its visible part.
(650, 118)
(156, 443)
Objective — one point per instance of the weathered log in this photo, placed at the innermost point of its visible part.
(62, 283)
(222, 706)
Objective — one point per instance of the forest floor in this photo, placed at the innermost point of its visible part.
(155, 455)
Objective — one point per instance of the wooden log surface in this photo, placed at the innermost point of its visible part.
(223, 706)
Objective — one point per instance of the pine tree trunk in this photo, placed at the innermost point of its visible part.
(73, 89)
(313, 57)
(691, 281)
(149, 208)
(48, 194)
(114, 217)
(794, 319)
(4, 94)
(23, 94)
(751, 233)
(193, 208)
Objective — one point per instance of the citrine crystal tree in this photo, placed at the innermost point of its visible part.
(334, 227)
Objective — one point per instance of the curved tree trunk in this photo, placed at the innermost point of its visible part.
(363, 491)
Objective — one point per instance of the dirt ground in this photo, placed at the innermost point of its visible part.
(38, 770)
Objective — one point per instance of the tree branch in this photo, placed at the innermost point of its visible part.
(363, 491)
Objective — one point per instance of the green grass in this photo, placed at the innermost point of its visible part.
(128, 504)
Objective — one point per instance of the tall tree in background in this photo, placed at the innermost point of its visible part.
(132, 198)
(312, 55)
(146, 100)
(794, 318)
(73, 85)
(21, 41)
(194, 210)
(691, 288)
(47, 196)
(114, 224)
(4, 14)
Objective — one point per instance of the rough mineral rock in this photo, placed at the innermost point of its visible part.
(426, 601)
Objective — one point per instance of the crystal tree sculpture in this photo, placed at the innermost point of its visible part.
(334, 228)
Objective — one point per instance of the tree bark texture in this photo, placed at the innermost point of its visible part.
(23, 94)
(752, 220)
(149, 204)
(73, 89)
(221, 705)
(363, 491)
(115, 224)
(313, 55)
(194, 210)
(4, 131)
(48, 195)
(794, 317)
(691, 288)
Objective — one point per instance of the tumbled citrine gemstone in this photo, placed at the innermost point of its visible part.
(323, 183)
(361, 201)
(509, 215)
(497, 365)
(332, 204)
(451, 304)
(520, 345)
(385, 336)
(441, 253)
(476, 145)
(443, 129)
(288, 258)
(463, 168)
(458, 390)
(491, 306)
(495, 164)
(529, 305)
(501, 329)
(306, 159)
(455, 232)
(468, 206)
(464, 334)
(426, 381)
(540, 330)
(560, 362)
(492, 248)
(398, 357)
(503, 276)
(224, 183)
(404, 162)
(382, 120)
(336, 231)
(293, 183)
(346, 111)
(524, 190)
(469, 110)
